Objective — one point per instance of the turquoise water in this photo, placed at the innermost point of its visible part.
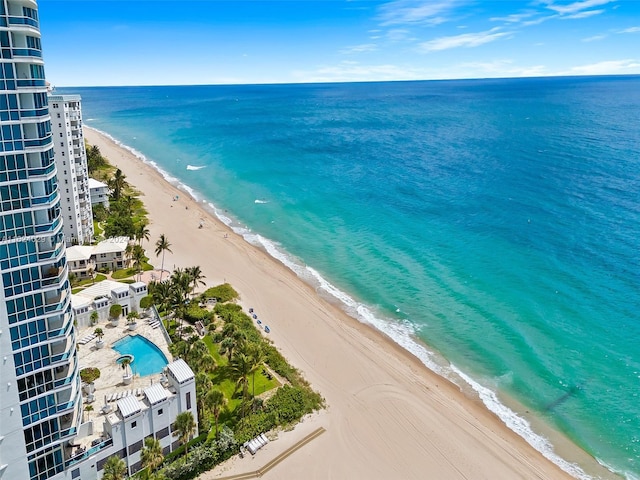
(148, 359)
(496, 220)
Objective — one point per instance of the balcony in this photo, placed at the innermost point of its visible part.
(31, 82)
(54, 275)
(52, 252)
(28, 21)
(34, 112)
(41, 171)
(48, 227)
(26, 52)
(51, 198)
(38, 142)
(88, 453)
(56, 303)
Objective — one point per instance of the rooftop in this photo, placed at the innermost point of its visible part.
(93, 183)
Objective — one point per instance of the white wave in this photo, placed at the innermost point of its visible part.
(521, 426)
(193, 167)
(260, 201)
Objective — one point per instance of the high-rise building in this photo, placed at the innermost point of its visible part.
(71, 162)
(40, 400)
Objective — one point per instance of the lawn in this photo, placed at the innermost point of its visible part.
(222, 378)
(129, 272)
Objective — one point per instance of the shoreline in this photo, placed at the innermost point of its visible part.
(427, 391)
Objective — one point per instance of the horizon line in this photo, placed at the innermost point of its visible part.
(335, 82)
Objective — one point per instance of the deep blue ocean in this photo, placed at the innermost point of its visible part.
(498, 221)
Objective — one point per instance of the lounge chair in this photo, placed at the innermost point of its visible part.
(264, 437)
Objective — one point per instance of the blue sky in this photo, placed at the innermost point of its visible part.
(91, 42)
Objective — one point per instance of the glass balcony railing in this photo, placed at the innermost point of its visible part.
(26, 52)
(38, 142)
(48, 227)
(23, 21)
(54, 275)
(88, 453)
(45, 199)
(31, 82)
(41, 171)
(34, 112)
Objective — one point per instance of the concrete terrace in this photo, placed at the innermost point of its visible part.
(111, 373)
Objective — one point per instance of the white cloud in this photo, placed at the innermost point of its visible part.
(585, 14)
(513, 18)
(575, 7)
(430, 12)
(355, 72)
(630, 30)
(608, 67)
(502, 68)
(595, 38)
(467, 40)
(399, 35)
(365, 47)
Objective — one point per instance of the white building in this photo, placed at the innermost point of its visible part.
(40, 404)
(99, 193)
(109, 254)
(71, 160)
(135, 417)
(102, 295)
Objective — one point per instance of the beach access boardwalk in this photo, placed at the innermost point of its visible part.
(279, 458)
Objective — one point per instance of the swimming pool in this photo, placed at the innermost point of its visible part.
(148, 358)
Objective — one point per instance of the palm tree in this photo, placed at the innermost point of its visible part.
(185, 427)
(162, 245)
(117, 184)
(138, 259)
(94, 317)
(88, 409)
(114, 469)
(197, 350)
(142, 233)
(196, 277)
(215, 401)
(161, 292)
(257, 355)
(203, 385)
(241, 366)
(151, 455)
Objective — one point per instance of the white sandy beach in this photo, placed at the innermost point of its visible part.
(387, 415)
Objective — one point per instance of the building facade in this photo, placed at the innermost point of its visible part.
(71, 162)
(141, 413)
(40, 407)
(99, 193)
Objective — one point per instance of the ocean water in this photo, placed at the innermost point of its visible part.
(497, 221)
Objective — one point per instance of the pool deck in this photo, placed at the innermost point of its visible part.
(111, 381)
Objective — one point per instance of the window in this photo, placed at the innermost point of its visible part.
(134, 424)
(188, 400)
(58, 115)
(160, 411)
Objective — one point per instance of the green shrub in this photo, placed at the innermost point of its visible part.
(253, 425)
(222, 293)
(115, 310)
(146, 302)
(89, 374)
(195, 313)
(289, 404)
